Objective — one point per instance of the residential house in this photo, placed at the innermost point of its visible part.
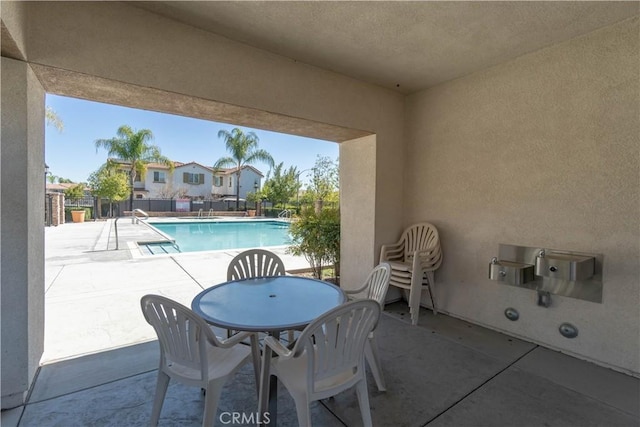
(225, 182)
(191, 180)
(195, 181)
(153, 181)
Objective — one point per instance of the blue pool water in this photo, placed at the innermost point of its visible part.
(216, 235)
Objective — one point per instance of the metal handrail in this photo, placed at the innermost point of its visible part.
(137, 220)
(285, 214)
(115, 224)
(133, 214)
(166, 236)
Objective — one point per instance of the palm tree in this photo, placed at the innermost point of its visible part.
(133, 147)
(53, 119)
(244, 151)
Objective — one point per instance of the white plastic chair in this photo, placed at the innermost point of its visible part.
(327, 358)
(413, 260)
(375, 288)
(191, 354)
(255, 263)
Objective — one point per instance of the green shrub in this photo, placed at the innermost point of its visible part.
(316, 236)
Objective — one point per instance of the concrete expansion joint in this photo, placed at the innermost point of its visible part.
(488, 380)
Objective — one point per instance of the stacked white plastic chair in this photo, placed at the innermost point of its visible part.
(327, 358)
(191, 354)
(375, 288)
(413, 260)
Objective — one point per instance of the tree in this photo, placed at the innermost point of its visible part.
(325, 180)
(244, 151)
(168, 192)
(255, 197)
(133, 147)
(53, 119)
(74, 193)
(282, 186)
(111, 183)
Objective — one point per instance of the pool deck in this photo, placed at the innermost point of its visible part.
(93, 291)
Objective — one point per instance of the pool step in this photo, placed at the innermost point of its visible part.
(159, 248)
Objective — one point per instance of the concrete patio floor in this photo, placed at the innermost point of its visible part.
(100, 359)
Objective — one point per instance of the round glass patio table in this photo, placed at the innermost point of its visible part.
(267, 304)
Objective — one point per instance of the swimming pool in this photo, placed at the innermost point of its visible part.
(194, 236)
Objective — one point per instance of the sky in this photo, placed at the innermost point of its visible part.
(72, 153)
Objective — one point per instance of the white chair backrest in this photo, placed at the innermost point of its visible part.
(378, 283)
(183, 335)
(255, 263)
(334, 344)
(420, 237)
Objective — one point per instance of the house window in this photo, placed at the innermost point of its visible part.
(218, 181)
(193, 178)
(137, 178)
(158, 176)
(230, 181)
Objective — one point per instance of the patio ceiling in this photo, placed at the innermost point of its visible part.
(404, 46)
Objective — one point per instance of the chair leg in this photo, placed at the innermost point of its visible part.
(363, 400)
(214, 390)
(414, 299)
(431, 282)
(302, 409)
(161, 391)
(371, 354)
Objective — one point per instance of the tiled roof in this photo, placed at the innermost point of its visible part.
(62, 186)
(193, 163)
(229, 171)
(151, 165)
(222, 171)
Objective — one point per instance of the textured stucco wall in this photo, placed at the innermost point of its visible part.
(14, 33)
(541, 151)
(22, 222)
(357, 208)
